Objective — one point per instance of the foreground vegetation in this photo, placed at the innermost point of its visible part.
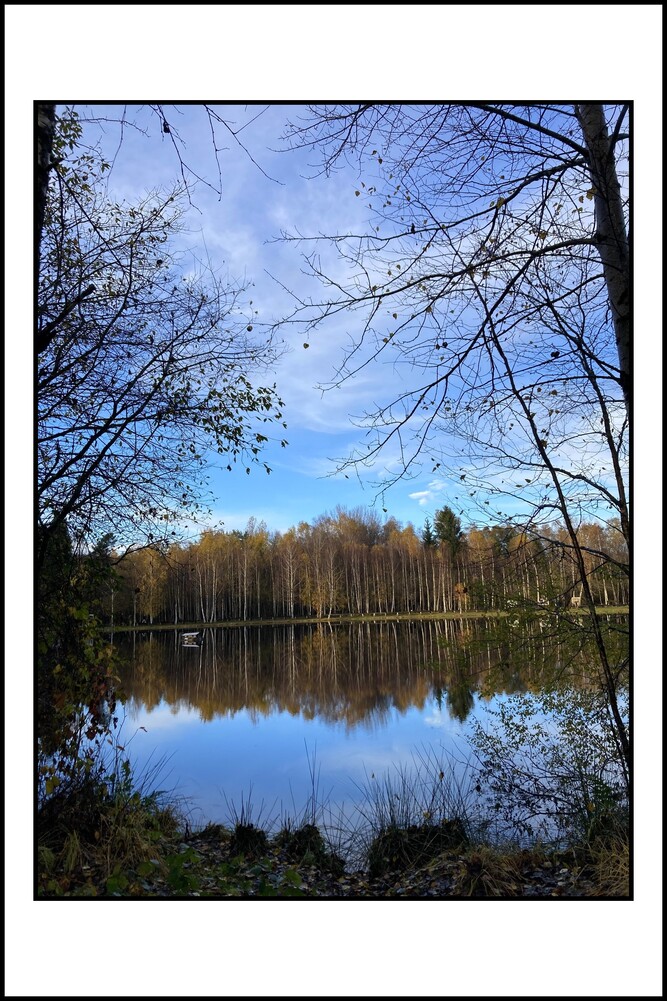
(413, 836)
(213, 863)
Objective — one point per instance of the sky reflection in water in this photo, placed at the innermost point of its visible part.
(268, 759)
(251, 714)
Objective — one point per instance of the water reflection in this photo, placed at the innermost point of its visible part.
(256, 712)
(355, 674)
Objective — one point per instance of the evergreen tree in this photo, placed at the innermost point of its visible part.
(428, 537)
(448, 529)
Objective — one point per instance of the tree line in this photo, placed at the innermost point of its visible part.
(351, 563)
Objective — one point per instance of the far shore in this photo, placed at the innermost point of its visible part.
(372, 617)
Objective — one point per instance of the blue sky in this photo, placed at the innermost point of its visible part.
(240, 234)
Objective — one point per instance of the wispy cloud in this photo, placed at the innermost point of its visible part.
(239, 233)
(432, 494)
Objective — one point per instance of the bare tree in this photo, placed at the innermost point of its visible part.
(145, 361)
(494, 273)
(126, 118)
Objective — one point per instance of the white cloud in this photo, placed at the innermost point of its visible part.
(431, 495)
(162, 717)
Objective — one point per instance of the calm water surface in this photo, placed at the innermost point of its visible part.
(256, 714)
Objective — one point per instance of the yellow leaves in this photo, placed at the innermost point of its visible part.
(543, 234)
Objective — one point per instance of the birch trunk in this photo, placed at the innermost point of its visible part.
(612, 238)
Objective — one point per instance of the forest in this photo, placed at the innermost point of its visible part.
(352, 563)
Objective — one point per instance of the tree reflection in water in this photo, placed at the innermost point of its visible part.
(356, 673)
(233, 715)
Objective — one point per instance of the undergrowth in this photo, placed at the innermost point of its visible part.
(116, 834)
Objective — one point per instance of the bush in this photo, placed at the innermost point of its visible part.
(248, 840)
(551, 768)
(306, 846)
(103, 822)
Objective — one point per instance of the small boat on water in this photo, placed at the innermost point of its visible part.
(192, 639)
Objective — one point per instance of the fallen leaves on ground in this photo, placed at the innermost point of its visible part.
(204, 866)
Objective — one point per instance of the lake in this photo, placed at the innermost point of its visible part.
(258, 718)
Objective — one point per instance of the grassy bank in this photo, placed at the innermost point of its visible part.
(344, 619)
(109, 837)
(221, 862)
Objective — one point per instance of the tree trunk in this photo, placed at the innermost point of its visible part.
(612, 239)
(46, 120)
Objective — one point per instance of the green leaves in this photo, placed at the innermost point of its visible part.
(116, 884)
(179, 877)
(147, 868)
